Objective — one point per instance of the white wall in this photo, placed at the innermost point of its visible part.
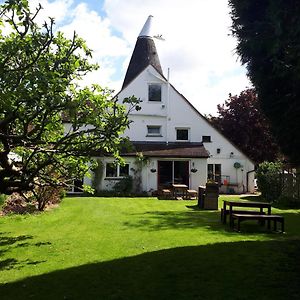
(174, 111)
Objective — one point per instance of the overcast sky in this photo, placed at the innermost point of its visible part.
(198, 47)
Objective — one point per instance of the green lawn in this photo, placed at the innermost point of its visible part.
(144, 248)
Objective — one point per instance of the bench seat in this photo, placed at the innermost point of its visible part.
(191, 194)
(250, 212)
(258, 217)
(165, 194)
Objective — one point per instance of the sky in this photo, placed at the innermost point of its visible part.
(198, 48)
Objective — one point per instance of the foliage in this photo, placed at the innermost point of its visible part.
(44, 196)
(268, 33)
(17, 204)
(269, 180)
(124, 185)
(39, 91)
(2, 199)
(140, 161)
(286, 202)
(241, 120)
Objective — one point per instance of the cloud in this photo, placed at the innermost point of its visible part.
(57, 9)
(96, 30)
(198, 47)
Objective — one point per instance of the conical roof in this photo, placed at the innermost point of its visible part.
(144, 54)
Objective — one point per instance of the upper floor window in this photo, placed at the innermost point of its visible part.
(182, 134)
(154, 92)
(206, 138)
(153, 130)
(113, 170)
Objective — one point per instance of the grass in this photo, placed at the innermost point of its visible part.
(144, 248)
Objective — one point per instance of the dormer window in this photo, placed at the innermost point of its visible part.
(182, 134)
(154, 92)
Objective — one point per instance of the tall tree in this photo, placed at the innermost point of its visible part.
(268, 33)
(240, 119)
(39, 75)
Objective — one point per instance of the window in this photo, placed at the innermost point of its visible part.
(206, 138)
(124, 170)
(154, 91)
(153, 130)
(113, 170)
(214, 172)
(76, 186)
(182, 134)
(172, 172)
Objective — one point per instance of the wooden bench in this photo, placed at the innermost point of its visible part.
(258, 217)
(191, 194)
(250, 212)
(165, 194)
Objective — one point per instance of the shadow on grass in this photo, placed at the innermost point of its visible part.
(241, 270)
(6, 240)
(256, 198)
(22, 241)
(208, 219)
(163, 220)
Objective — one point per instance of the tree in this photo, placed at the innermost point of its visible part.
(269, 180)
(268, 33)
(240, 119)
(39, 75)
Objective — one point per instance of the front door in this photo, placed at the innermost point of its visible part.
(172, 171)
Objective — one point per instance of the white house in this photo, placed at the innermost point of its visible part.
(178, 144)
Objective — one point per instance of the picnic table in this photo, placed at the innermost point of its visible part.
(231, 204)
(179, 190)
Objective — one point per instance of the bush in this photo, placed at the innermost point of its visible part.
(48, 195)
(124, 185)
(29, 203)
(287, 202)
(269, 180)
(17, 204)
(2, 199)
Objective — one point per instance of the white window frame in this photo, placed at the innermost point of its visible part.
(204, 137)
(154, 133)
(154, 84)
(188, 132)
(118, 170)
(76, 186)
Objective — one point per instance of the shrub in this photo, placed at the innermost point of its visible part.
(2, 199)
(124, 185)
(287, 202)
(48, 195)
(17, 204)
(269, 180)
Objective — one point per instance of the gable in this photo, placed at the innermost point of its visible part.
(174, 112)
